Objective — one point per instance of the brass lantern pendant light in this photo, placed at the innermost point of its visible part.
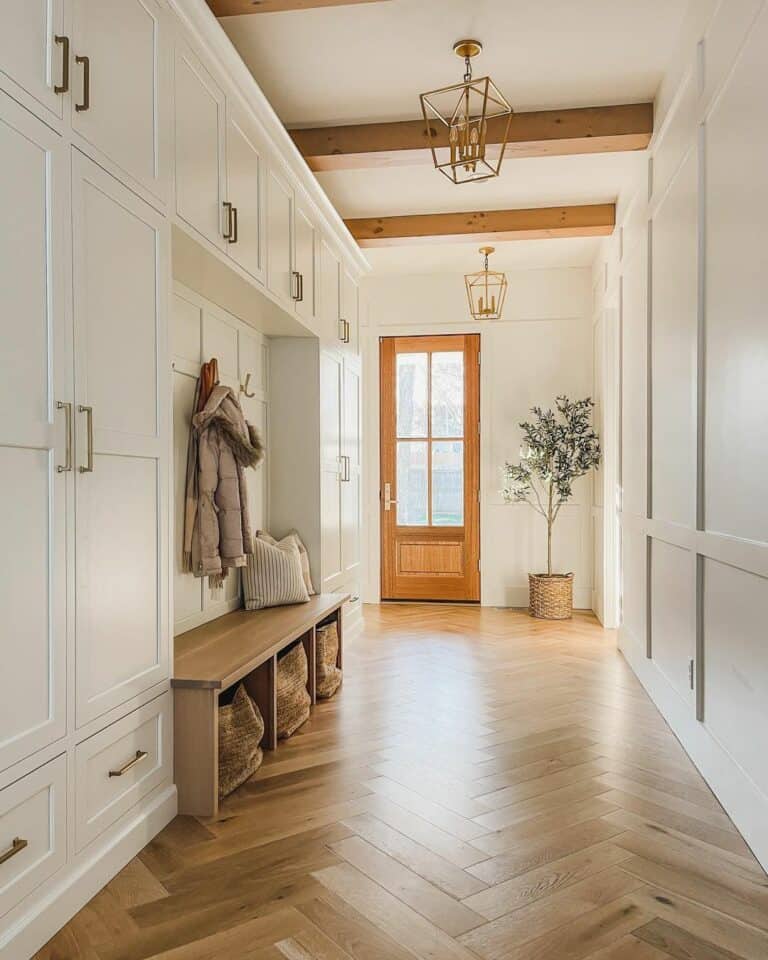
(465, 113)
(486, 290)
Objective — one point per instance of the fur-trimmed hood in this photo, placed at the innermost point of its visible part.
(223, 412)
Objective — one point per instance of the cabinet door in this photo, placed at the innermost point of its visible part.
(305, 266)
(116, 101)
(349, 311)
(351, 480)
(331, 379)
(33, 437)
(199, 106)
(328, 293)
(245, 169)
(30, 57)
(280, 238)
(121, 540)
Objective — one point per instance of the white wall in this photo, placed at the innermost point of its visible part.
(542, 348)
(688, 272)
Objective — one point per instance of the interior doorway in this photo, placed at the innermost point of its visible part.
(430, 467)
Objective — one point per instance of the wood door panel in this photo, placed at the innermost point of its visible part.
(431, 531)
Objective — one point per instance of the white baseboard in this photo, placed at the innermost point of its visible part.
(739, 795)
(516, 597)
(76, 884)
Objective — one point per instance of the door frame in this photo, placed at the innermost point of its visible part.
(370, 335)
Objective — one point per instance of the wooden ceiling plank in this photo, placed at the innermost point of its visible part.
(236, 8)
(588, 220)
(537, 133)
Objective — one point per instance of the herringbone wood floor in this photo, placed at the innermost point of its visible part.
(484, 785)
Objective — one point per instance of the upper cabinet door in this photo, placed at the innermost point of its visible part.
(34, 459)
(245, 172)
(280, 279)
(199, 127)
(116, 101)
(121, 505)
(349, 311)
(304, 266)
(30, 56)
(328, 293)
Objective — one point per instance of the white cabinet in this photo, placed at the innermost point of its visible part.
(32, 59)
(280, 278)
(351, 453)
(245, 174)
(34, 453)
(331, 468)
(349, 312)
(304, 265)
(116, 72)
(328, 269)
(120, 259)
(200, 117)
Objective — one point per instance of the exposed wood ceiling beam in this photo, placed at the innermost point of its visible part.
(595, 220)
(234, 8)
(537, 134)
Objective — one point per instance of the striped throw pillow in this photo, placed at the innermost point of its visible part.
(272, 576)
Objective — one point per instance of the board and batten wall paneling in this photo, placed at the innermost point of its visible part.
(201, 330)
(541, 348)
(694, 433)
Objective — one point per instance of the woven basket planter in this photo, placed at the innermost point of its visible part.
(550, 597)
(293, 699)
(328, 674)
(241, 728)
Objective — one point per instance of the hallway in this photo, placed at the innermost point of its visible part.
(485, 785)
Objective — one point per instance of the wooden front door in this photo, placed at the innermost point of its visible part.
(430, 468)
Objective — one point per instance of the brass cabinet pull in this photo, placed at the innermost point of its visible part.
(301, 287)
(86, 104)
(228, 210)
(67, 408)
(233, 231)
(344, 331)
(345, 476)
(295, 285)
(244, 387)
(16, 847)
(63, 87)
(88, 411)
(140, 755)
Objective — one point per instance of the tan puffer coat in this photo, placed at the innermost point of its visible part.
(218, 536)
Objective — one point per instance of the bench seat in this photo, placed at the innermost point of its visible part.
(240, 646)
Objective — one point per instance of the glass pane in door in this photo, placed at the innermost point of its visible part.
(412, 471)
(448, 394)
(412, 377)
(448, 483)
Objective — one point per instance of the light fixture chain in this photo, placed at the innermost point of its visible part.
(467, 69)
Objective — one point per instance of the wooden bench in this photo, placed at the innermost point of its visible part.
(240, 646)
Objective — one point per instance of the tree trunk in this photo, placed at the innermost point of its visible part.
(549, 532)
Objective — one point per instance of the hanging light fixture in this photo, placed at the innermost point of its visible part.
(462, 151)
(486, 290)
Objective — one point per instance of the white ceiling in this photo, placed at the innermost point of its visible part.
(370, 61)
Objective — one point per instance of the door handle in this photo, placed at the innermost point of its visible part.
(139, 756)
(88, 411)
(67, 408)
(63, 87)
(388, 501)
(19, 843)
(86, 104)
(233, 231)
(227, 234)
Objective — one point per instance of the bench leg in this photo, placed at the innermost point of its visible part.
(262, 687)
(310, 648)
(196, 750)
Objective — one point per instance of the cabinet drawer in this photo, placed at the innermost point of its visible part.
(33, 836)
(115, 768)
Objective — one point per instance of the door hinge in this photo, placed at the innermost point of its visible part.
(692, 674)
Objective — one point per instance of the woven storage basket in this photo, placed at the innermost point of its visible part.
(328, 674)
(293, 700)
(241, 728)
(550, 597)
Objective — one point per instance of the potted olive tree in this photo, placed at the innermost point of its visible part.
(558, 447)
